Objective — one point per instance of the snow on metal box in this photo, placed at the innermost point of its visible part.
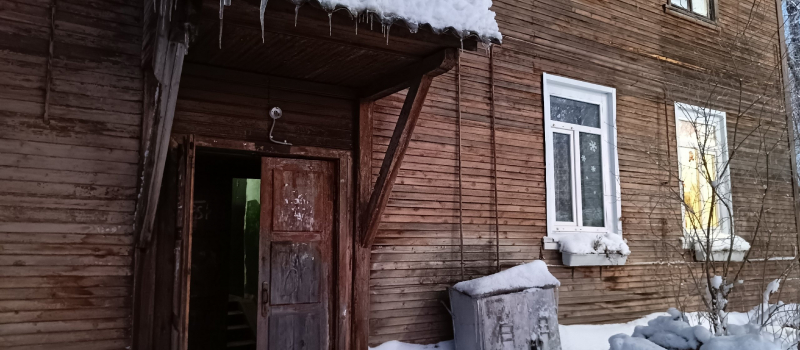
(512, 321)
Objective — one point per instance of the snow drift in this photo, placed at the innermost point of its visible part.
(673, 332)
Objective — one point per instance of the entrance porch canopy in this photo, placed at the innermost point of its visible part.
(343, 45)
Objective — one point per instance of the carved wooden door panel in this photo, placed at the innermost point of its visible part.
(295, 254)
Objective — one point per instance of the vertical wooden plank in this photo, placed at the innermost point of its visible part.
(184, 248)
(264, 253)
(362, 254)
(343, 284)
(154, 168)
(165, 263)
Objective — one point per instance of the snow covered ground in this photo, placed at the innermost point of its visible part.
(581, 337)
(396, 345)
(595, 337)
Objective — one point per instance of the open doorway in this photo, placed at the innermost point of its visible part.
(263, 254)
(222, 313)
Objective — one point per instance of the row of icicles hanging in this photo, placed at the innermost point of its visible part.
(365, 16)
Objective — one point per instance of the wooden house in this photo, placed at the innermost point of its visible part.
(149, 200)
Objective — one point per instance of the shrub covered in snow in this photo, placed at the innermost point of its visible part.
(673, 332)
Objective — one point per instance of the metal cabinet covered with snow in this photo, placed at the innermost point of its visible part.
(525, 319)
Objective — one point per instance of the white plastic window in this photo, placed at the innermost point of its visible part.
(581, 157)
(698, 7)
(702, 168)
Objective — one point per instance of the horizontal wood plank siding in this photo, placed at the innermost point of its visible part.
(68, 187)
(235, 105)
(653, 59)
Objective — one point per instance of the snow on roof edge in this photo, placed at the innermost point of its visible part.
(464, 18)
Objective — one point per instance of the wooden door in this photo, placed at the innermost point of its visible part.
(295, 254)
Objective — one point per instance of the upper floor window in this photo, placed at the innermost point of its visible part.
(701, 8)
(581, 157)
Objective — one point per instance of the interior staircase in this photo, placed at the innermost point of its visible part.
(239, 335)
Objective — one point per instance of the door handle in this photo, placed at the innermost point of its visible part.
(264, 297)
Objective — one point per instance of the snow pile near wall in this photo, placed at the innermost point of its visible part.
(396, 345)
(593, 243)
(673, 332)
(626, 342)
(517, 278)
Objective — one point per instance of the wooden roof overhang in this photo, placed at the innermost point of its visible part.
(337, 51)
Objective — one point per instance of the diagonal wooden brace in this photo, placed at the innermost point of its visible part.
(394, 157)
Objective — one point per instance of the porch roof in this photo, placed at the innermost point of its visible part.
(337, 50)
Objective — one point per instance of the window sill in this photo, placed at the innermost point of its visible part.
(721, 256)
(684, 14)
(569, 259)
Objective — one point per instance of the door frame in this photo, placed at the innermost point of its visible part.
(340, 319)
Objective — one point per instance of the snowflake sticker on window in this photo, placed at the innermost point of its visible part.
(593, 146)
(583, 158)
(594, 169)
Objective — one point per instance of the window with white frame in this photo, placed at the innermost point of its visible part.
(701, 8)
(581, 157)
(702, 168)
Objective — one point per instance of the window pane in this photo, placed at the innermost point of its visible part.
(574, 112)
(698, 170)
(592, 180)
(700, 7)
(681, 3)
(562, 165)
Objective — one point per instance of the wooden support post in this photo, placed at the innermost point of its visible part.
(371, 199)
(163, 67)
(394, 157)
(362, 253)
(165, 37)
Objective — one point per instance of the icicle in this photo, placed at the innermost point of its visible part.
(296, 11)
(370, 20)
(262, 8)
(221, 11)
(356, 25)
(388, 28)
(330, 23)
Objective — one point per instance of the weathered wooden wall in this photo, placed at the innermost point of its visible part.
(235, 105)
(652, 58)
(68, 187)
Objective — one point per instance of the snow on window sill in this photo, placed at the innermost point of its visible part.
(590, 249)
(700, 255)
(721, 248)
(610, 259)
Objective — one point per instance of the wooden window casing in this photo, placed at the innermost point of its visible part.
(686, 11)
